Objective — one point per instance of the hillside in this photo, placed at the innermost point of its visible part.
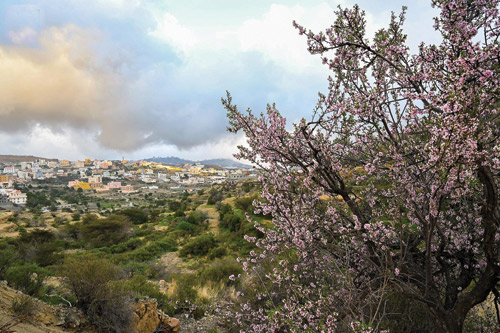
(178, 248)
(18, 158)
(44, 318)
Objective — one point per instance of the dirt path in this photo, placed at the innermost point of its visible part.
(213, 218)
(5, 215)
(174, 264)
(7, 229)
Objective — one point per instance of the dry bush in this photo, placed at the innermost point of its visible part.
(23, 306)
(104, 302)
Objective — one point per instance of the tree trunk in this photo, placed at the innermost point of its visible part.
(454, 324)
(451, 321)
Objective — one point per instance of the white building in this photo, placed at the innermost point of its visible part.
(115, 185)
(9, 169)
(15, 196)
(25, 165)
(95, 179)
(147, 179)
(23, 175)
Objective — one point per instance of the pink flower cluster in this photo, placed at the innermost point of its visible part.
(392, 184)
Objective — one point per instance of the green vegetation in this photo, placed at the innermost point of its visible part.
(135, 215)
(221, 269)
(104, 302)
(104, 232)
(153, 249)
(199, 246)
(27, 277)
(189, 241)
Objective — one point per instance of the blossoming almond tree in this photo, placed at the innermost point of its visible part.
(391, 187)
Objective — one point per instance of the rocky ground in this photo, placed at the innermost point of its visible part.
(54, 319)
(206, 324)
(45, 318)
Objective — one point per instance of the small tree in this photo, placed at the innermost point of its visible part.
(136, 215)
(106, 231)
(392, 187)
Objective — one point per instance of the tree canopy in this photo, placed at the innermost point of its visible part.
(391, 188)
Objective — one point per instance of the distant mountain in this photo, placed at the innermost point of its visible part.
(172, 160)
(4, 159)
(223, 162)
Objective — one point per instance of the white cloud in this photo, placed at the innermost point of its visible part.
(51, 81)
(23, 36)
(224, 148)
(43, 142)
(103, 79)
(170, 30)
(74, 144)
(271, 35)
(274, 36)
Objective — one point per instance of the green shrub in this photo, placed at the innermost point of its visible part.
(184, 288)
(179, 213)
(7, 254)
(40, 246)
(144, 230)
(214, 196)
(217, 252)
(196, 218)
(58, 221)
(198, 246)
(71, 231)
(128, 245)
(139, 287)
(136, 215)
(37, 236)
(154, 215)
(174, 206)
(231, 221)
(224, 209)
(154, 249)
(105, 232)
(46, 254)
(27, 277)
(246, 187)
(186, 297)
(176, 234)
(89, 218)
(245, 203)
(221, 269)
(94, 284)
(185, 226)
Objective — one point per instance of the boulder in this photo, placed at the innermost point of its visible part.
(148, 318)
(145, 316)
(168, 324)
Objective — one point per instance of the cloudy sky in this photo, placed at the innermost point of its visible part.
(142, 78)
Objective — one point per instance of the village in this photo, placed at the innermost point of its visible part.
(127, 181)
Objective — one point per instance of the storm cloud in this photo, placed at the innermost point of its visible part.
(136, 75)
